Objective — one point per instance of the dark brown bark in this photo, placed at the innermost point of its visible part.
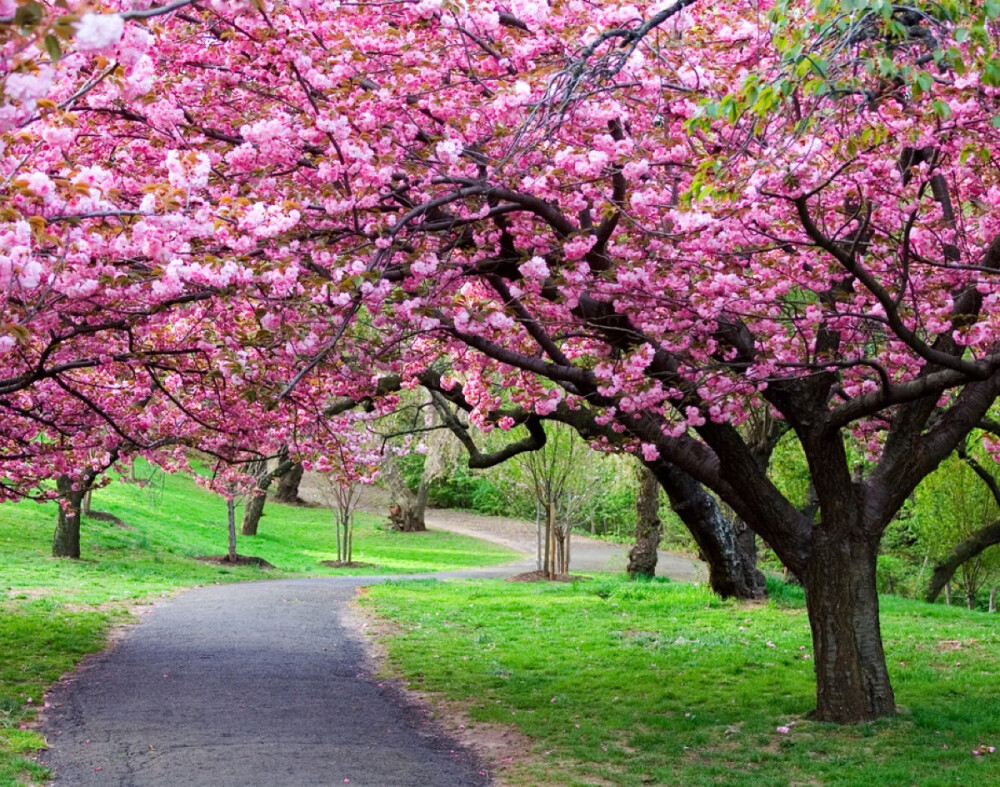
(945, 568)
(732, 567)
(66, 541)
(852, 682)
(288, 485)
(648, 527)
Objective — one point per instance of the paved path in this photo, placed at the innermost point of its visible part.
(254, 684)
(267, 684)
(586, 554)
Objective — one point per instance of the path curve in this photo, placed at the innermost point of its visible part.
(586, 554)
(269, 684)
(256, 684)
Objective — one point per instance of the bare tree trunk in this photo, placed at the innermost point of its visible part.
(947, 593)
(539, 560)
(548, 544)
(732, 568)
(288, 485)
(85, 507)
(648, 528)
(254, 509)
(852, 681)
(231, 511)
(993, 599)
(408, 508)
(66, 541)
(252, 512)
(551, 528)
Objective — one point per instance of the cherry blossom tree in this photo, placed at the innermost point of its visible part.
(647, 220)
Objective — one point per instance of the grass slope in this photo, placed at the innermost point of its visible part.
(624, 683)
(54, 612)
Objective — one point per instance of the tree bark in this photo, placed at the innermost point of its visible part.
(407, 511)
(648, 527)
(288, 485)
(252, 513)
(945, 569)
(852, 681)
(231, 516)
(66, 541)
(732, 565)
(254, 509)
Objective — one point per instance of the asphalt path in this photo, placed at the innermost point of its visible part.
(263, 683)
(269, 684)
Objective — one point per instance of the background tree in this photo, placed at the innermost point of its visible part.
(648, 527)
(958, 515)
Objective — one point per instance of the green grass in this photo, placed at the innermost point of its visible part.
(54, 612)
(661, 683)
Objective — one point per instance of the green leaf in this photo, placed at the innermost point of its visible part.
(991, 74)
(941, 109)
(28, 15)
(53, 48)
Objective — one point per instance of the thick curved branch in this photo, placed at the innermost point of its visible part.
(478, 460)
(975, 544)
(985, 476)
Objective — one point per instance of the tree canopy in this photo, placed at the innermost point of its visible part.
(221, 216)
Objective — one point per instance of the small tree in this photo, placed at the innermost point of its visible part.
(349, 465)
(556, 475)
(343, 495)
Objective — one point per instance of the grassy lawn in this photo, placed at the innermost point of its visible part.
(621, 683)
(54, 612)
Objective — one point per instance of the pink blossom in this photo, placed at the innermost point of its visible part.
(535, 268)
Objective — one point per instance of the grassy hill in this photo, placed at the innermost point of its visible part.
(619, 683)
(53, 612)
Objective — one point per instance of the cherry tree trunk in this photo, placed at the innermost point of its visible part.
(288, 485)
(732, 561)
(852, 681)
(407, 510)
(648, 528)
(252, 513)
(254, 509)
(66, 541)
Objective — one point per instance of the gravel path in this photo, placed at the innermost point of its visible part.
(268, 684)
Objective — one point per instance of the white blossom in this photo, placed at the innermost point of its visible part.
(98, 31)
